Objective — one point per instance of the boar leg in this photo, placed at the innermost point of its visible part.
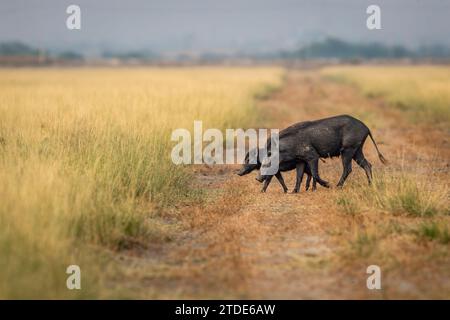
(300, 168)
(266, 183)
(281, 181)
(314, 166)
(347, 155)
(363, 163)
(308, 181)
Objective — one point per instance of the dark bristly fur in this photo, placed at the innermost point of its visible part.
(305, 143)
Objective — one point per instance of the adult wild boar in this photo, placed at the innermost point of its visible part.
(344, 135)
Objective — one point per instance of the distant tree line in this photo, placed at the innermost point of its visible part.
(340, 49)
(19, 49)
(331, 48)
(136, 54)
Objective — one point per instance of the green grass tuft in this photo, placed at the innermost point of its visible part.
(433, 231)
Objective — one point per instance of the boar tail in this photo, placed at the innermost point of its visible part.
(380, 156)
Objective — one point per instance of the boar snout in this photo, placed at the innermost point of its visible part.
(246, 169)
(259, 178)
(241, 172)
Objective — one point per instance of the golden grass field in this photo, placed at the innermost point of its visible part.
(86, 179)
(423, 91)
(85, 161)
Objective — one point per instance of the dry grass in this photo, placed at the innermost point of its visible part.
(397, 194)
(88, 179)
(85, 162)
(434, 231)
(422, 91)
(314, 245)
(401, 221)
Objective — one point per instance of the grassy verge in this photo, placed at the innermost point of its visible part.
(400, 223)
(423, 92)
(397, 194)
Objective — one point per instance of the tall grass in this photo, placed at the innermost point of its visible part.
(434, 231)
(85, 162)
(422, 91)
(398, 194)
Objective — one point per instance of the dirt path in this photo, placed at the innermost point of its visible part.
(244, 244)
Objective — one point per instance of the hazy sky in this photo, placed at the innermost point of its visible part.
(213, 25)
